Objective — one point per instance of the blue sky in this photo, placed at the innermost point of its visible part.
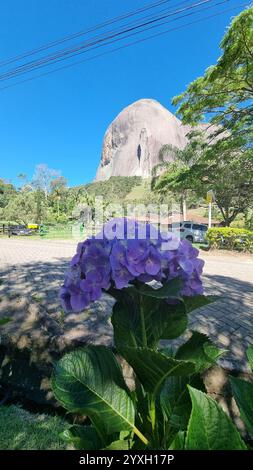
(60, 119)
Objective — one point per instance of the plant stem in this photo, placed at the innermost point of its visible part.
(155, 442)
(140, 435)
(152, 412)
(143, 327)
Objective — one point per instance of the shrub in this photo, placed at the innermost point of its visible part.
(228, 238)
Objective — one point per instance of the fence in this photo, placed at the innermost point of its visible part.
(4, 229)
(44, 231)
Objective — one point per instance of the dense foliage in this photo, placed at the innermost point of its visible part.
(222, 167)
(52, 201)
(230, 238)
(222, 96)
(174, 163)
(114, 189)
(225, 91)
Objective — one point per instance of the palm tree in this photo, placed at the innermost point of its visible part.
(172, 161)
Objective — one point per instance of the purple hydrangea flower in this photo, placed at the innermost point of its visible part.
(124, 253)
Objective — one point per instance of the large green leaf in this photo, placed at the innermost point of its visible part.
(209, 427)
(250, 356)
(126, 324)
(243, 393)
(197, 301)
(175, 399)
(83, 437)
(89, 381)
(200, 350)
(161, 321)
(170, 289)
(153, 368)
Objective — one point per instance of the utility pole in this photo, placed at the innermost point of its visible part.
(209, 215)
(210, 200)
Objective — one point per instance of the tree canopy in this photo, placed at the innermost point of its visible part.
(224, 93)
(223, 98)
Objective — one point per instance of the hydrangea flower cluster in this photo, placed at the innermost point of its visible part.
(118, 256)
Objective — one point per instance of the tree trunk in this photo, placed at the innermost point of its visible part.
(228, 218)
(184, 209)
(183, 206)
(223, 213)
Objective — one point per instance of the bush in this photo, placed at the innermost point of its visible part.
(230, 239)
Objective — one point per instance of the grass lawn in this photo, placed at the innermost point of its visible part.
(51, 235)
(22, 430)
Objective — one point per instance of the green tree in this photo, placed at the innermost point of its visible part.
(228, 174)
(7, 192)
(173, 163)
(58, 196)
(22, 208)
(225, 91)
(41, 206)
(224, 95)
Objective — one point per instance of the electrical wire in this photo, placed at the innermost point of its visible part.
(63, 55)
(84, 32)
(200, 20)
(105, 34)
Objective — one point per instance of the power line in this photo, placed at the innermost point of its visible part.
(127, 45)
(84, 32)
(99, 37)
(77, 50)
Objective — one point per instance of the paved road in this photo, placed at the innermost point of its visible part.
(35, 269)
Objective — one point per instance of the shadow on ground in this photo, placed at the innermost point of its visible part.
(29, 295)
(228, 321)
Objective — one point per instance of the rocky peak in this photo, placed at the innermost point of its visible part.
(132, 141)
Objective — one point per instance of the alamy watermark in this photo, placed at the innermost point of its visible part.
(103, 219)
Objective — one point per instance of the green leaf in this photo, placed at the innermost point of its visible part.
(4, 321)
(90, 381)
(167, 351)
(197, 301)
(243, 393)
(153, 368)
(120, 445)
(179, 441)
(209, 427)
(124, 435)
(250, 356)
(126, 324)
(200, 350)
(175, 399)
(170, 289)
(83, 437)
(171, 321)
(162, 321)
